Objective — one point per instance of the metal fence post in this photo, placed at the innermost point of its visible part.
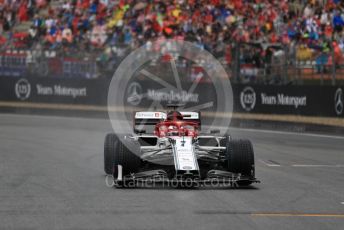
(333, 65)
(285, 64)
(237, 61)
(322, 69)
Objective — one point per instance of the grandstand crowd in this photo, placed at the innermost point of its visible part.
(315, 27)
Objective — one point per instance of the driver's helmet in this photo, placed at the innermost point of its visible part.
(174, 116)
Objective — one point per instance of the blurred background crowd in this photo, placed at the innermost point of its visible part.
(298, 30)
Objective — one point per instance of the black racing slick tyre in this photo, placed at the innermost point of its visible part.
(110, 145)
(240, 157)
(116, 153)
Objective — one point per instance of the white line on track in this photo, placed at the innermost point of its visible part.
(317, 166)
(288, 133)
(269, 164)
(300, 165)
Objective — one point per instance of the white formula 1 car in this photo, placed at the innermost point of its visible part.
(175, 150)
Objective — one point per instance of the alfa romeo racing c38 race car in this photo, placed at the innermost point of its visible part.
(174, 149)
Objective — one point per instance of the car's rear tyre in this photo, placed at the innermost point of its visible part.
(116, 153)
(240, 158)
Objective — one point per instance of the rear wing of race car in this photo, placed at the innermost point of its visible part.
(144, 122)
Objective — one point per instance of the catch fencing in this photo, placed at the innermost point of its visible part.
(245, 63)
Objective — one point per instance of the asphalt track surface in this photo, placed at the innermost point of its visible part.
(51, 177)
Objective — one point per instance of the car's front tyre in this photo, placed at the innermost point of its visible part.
(117, 153)
(240, 159)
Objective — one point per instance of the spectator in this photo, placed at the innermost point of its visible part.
(338, 22)
(208, 23)
(67, 36)
(22, 12)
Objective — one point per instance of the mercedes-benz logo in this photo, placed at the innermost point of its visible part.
(134, 93)
(338, 101)
(22, 89)
(248, 98)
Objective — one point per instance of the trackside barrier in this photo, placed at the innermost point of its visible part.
(311, 100)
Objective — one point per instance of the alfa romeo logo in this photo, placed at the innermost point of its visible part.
(338, 101)
(22, 89)
(134, 93)
(248, 98)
